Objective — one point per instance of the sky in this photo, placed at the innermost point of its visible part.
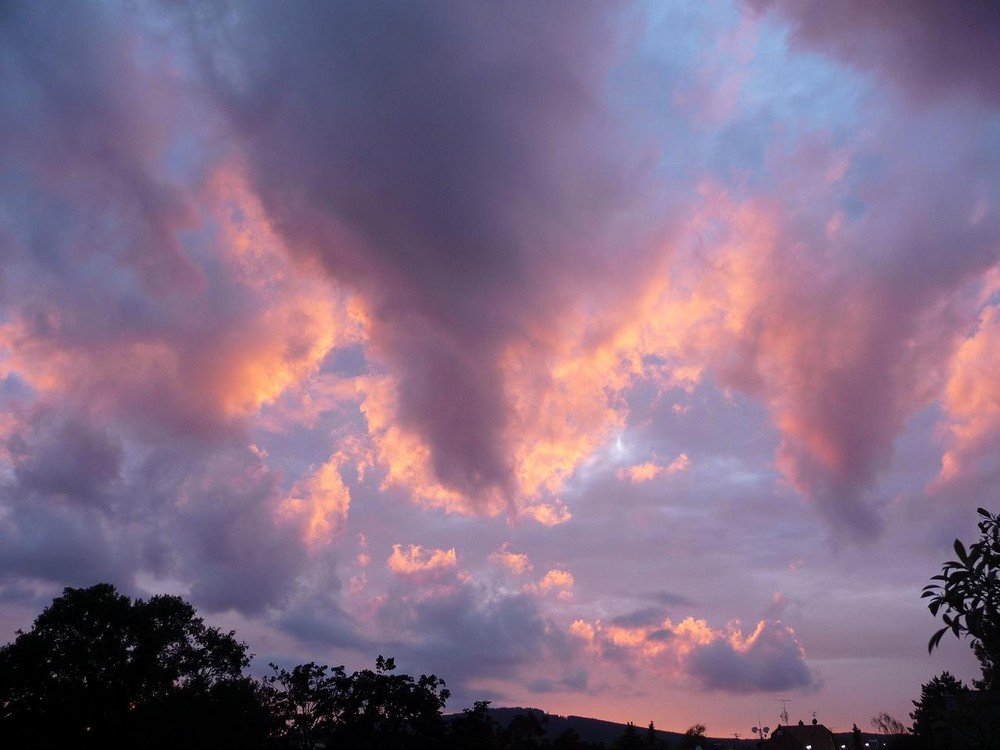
(634, 360)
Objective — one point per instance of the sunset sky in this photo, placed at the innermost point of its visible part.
(631, 360)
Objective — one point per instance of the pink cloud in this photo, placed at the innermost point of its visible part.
(417, 561)
(651, 470)
(517, 563)
(557, 581)
(770, 658)
(972, 403)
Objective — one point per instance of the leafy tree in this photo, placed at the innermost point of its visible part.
(306, 702)
(629, 739)
(97, 666)
(568, 739)
(526, 731)
(968, 595)
(377, 709)
(651, 740)
(475, 729)
(693, 737)
(883, 723)
(930, 714)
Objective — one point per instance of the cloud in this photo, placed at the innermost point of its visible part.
(651, 470)
(931, 48)
(972, 403)
(67, 460)
(555, 580)
(320, 502)
(221, 532)
(496, 223)
(471, 633)
(419, 561)
(517, 563)
(768, 659)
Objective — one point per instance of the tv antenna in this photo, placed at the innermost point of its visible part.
(784, 709)
(760, 730)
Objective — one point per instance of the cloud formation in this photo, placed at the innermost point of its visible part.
(455, 330)
(933, 48)
(768, 659)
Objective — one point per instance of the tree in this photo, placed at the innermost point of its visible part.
(629, 739)
(306, 702)
(377, 709)
(651, 740)
(968, 596)
(475, 729)
(527, 731)
(568, 739)
(694, 737)
(883, 723)
(97, 667)
(931, 713)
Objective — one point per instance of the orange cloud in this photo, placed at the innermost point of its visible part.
(651, 470)
(210, 366)
(419, 560)
(972, 400)
(558, 579)
(768, 658)
(517, 563)
(320, 502)
(406, 457)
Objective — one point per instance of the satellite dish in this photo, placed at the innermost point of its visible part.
(767, 729)
(754, 730)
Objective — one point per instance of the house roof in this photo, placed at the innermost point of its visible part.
(801, 737)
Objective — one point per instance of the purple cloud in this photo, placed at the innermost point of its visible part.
(932, 48)
(771, 659)
(455, 166)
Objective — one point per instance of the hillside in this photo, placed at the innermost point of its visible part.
(601, 731)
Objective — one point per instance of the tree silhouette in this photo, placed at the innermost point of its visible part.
(475, 729)
(694, 737)
(968, 596)
(97, 667)
(378, 709)
(931, 720)
(306, 703)
(629, 739)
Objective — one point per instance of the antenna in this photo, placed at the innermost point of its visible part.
(760, 731)
(784, 709)
(814, 716)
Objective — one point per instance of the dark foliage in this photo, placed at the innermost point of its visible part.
(98, 667)
(967, 594)
(930, 712)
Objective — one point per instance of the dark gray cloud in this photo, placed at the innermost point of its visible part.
(772, 660)
(57, 458)
(468, 633)
(69, 546)
(932, 48)
(452, 161)
(641, 617)
(224, 536)
(81, 125)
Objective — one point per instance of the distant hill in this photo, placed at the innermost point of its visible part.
(598, 730)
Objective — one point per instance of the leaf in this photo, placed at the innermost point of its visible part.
(935, 640)
(960, 551)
